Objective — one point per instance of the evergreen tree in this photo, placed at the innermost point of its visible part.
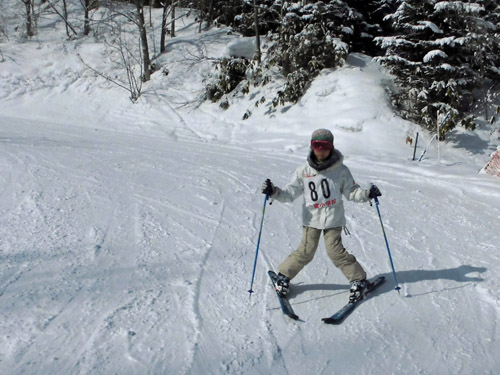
(269, 17)
(312, 37)
(440, 52)
(369, 24)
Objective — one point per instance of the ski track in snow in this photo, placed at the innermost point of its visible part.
(121, 263)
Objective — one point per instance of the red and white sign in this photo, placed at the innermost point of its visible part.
(493, 166)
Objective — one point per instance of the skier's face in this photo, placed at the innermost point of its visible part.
(321, 149)
(321, 153)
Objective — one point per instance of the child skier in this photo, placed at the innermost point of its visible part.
(322, 181)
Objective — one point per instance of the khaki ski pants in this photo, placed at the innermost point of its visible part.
(346, 262)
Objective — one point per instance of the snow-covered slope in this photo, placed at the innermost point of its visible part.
(128, 230)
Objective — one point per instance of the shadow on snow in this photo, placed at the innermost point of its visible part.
(458, 274)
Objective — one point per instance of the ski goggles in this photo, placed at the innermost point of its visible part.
(322, 145)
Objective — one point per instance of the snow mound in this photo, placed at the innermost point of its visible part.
(242, 47)
(436, 53)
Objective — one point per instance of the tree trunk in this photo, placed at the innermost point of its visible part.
(86, 24)
(163, 27)
(210, 12)
(30, 27)
(172, 30)
(65, 7)
(257, 35)
(283, 42)
(144, 39)
(88, 5)
(150, 13)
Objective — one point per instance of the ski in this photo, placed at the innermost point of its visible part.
(285, 304)
(345, 311)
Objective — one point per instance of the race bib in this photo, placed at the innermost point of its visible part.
(320, 192)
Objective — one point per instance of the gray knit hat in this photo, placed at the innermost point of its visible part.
(322, 135)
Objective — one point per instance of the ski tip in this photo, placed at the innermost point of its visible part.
(293, 316)
(331, 321)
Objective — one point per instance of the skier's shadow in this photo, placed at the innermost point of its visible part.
(458, 274)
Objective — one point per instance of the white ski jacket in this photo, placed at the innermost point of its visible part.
(322, 192)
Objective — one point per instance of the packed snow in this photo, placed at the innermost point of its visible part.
(128, 230)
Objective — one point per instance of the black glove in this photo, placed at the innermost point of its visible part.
(268, 187)
(374, 192)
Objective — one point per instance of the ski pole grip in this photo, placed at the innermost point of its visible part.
(373, 193)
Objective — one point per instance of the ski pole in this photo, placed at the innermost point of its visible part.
(385, 237)
(258, 243)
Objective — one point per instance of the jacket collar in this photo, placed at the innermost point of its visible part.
(335, 158)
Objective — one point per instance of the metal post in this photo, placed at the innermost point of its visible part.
(415, 149)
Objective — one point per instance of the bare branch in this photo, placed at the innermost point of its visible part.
(60, 15)
(107, 78)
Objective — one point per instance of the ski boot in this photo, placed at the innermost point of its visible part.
(282, 285)
(358, 290)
